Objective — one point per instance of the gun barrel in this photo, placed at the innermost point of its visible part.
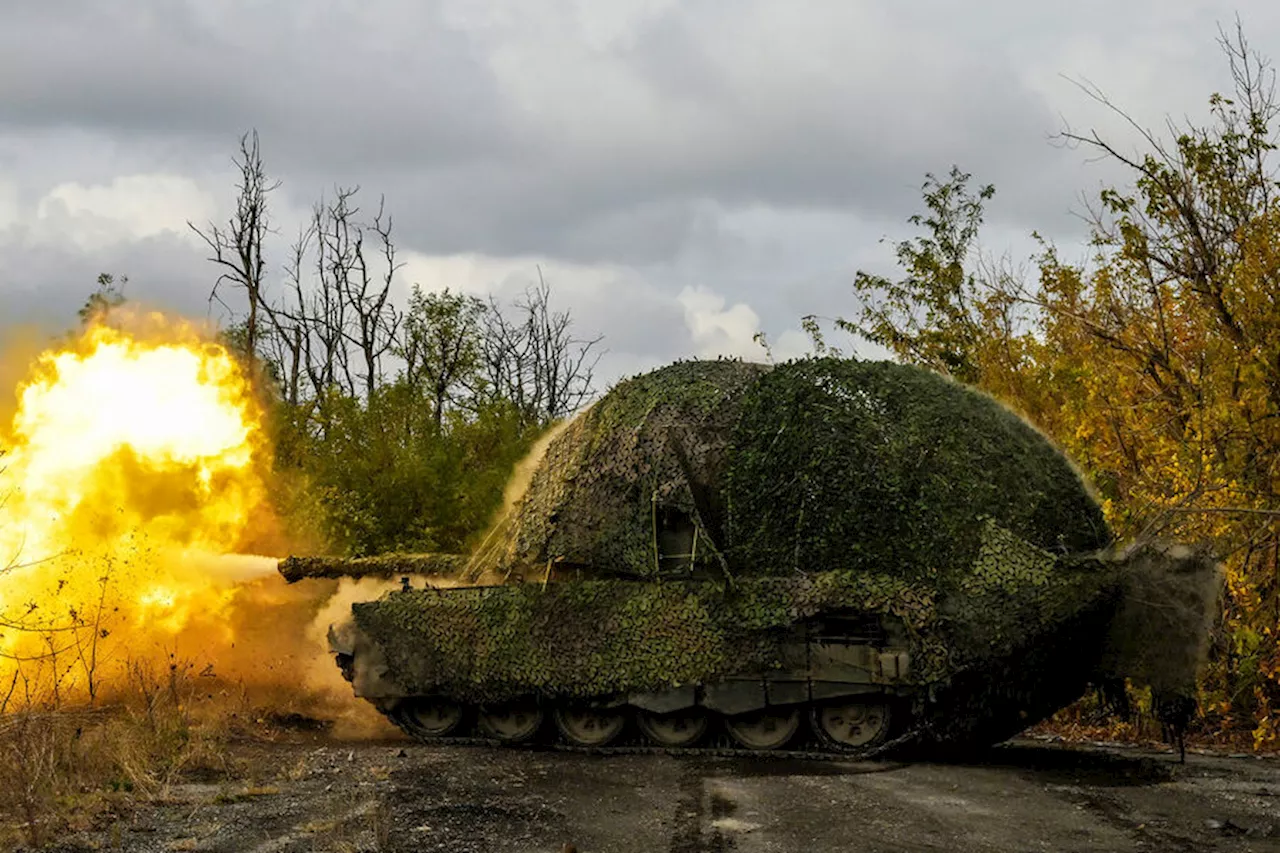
(387, 566)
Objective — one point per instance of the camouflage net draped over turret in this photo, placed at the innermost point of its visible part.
(596, 496)
(879, 466)
(813, 465)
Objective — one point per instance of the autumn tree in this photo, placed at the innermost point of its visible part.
(1157, 365)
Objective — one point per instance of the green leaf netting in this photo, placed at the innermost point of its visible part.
(592, 501)
(599, 637)
(827, 486)
(841, 464)
(384, 566)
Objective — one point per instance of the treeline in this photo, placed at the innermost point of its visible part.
(395, 423)
(1156, 365)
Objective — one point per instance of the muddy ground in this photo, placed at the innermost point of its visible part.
(397, 796)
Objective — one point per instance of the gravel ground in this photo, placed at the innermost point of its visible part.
(402, 797)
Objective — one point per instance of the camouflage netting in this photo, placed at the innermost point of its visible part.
(638, 453)
(814, 465)
(816, 486)
(596, 637)
(1160, 635)
(386, 566)
(874, 465)
(1014, 590)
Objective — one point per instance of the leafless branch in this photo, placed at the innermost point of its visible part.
(237, 248)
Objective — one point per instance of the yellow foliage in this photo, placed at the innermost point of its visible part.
(1167, 393)
(1156, 367)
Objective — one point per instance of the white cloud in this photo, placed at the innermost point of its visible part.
(129, 208)
(640, 323)
(719, 330)
(685, 172)
(792, 343)
(506, 278)
(643, 325)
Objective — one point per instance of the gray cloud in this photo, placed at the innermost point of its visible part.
(508, 143)
(333, 88)
(756, 148)
(45, 285)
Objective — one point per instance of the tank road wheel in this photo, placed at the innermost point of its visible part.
(583, 725)
(675, 730)
(511, 722)
(770, 728)
(430, 717)
(852, 724)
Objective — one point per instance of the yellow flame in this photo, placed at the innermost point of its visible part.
(131, 465)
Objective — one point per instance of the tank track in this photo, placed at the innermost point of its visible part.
(719, 745)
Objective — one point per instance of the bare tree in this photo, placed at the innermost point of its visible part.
(237, 247)
(375, 320)
(535, 361)
(289, 344)
(335, 260)
(351, 313)
(335, 322)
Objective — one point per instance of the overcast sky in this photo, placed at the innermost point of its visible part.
(686, 172)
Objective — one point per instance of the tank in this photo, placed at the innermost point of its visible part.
(825, 554)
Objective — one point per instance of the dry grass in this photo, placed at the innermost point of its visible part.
(68, 769)
(73, 768)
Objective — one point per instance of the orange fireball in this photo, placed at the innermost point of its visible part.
(131, 477)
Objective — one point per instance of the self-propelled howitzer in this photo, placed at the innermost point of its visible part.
(839, 553)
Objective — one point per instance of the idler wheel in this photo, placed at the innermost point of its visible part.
(769, 728)
(511, 722)
(583, 725)
(852, 724)
(674, 730)
(431, 716)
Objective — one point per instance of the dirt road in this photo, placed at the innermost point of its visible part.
(403, 797)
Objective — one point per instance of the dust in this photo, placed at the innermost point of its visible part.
(486, 560)
(331, 602)
(136, 489)
(265, 654)
(353, 718)
(356, 718)
(523, 473)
